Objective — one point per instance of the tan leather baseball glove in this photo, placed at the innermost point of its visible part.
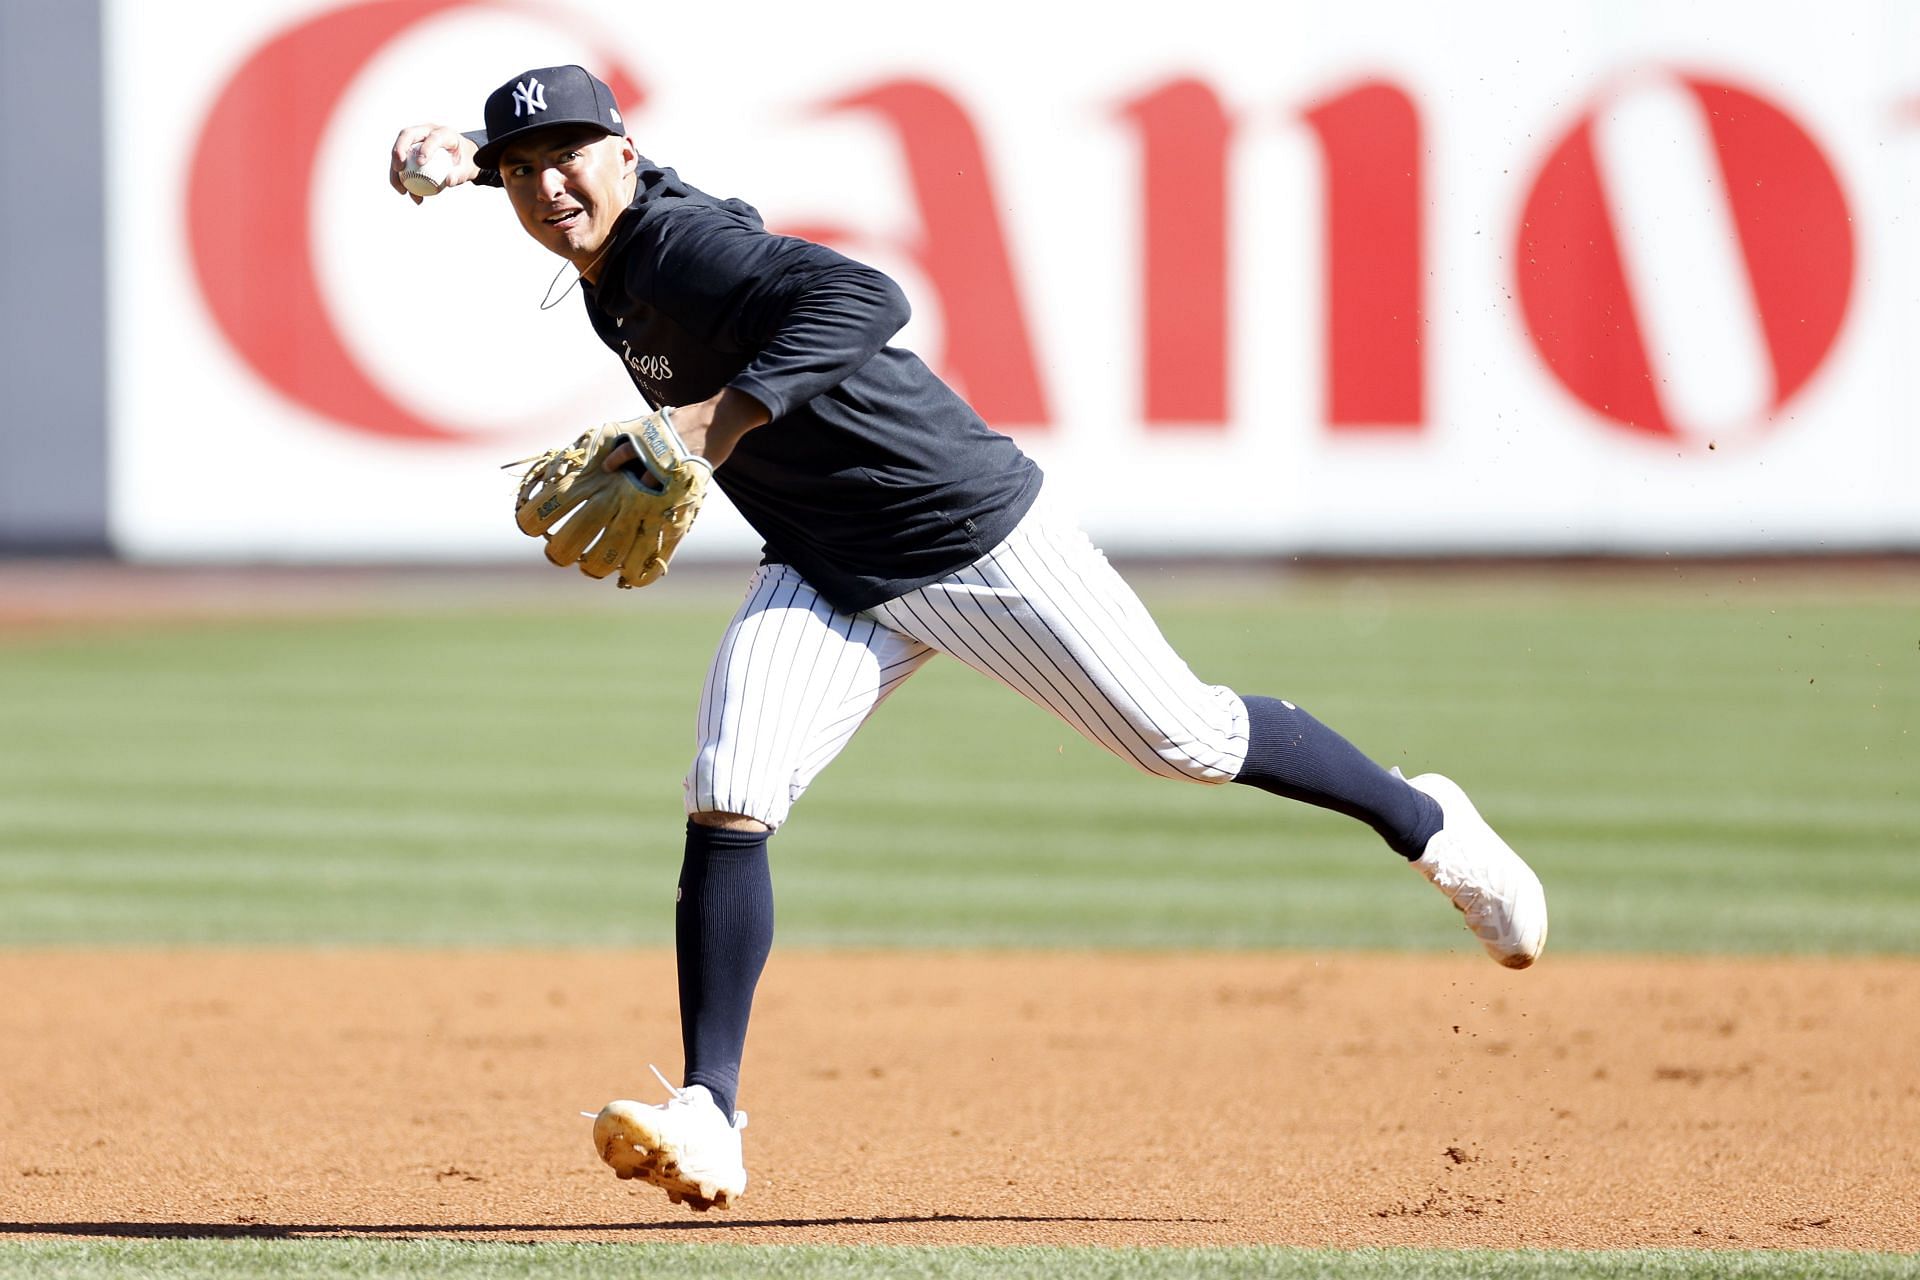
(630, 519)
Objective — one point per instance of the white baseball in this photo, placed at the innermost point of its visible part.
(427, 173)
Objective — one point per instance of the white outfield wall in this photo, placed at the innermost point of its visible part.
(1378, 277)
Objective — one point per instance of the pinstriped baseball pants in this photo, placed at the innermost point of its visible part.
(1042, 613)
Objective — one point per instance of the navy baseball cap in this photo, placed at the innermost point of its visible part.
(540, 99)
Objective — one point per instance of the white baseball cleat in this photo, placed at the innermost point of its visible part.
(1503, 901)
(684, 1146)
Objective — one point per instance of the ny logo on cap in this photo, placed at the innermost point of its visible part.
(532, 95)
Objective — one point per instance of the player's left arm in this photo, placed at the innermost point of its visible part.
(710, 428)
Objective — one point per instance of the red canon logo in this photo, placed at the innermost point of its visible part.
(251, 244)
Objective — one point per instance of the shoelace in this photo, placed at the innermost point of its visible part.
(680, 1095)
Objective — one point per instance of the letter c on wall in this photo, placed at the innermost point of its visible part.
(250, 227)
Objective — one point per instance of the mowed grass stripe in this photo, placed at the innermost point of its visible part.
(1688, 774)
(354, 1259)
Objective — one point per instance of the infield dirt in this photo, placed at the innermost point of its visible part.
(934, 1098)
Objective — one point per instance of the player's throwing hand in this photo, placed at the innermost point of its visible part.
(444, 155)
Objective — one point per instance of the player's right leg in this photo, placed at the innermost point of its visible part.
(790, 682)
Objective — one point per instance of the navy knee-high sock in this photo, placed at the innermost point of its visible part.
(723, 930)
(1291, 754)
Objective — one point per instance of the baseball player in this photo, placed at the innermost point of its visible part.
(898, 526)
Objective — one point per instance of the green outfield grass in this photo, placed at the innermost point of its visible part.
(347, 1259)
(1716, 767)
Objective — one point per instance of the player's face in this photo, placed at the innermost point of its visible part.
(568, 189)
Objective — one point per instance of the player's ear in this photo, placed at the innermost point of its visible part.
(629, 156)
